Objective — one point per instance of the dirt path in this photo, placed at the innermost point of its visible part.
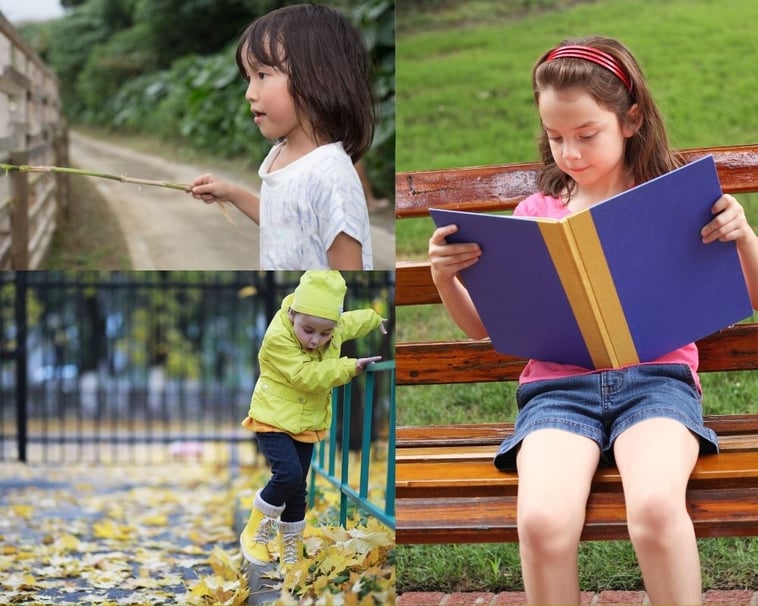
(167, 229)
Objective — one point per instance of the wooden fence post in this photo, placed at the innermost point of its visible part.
(19, 214)
(62, 183)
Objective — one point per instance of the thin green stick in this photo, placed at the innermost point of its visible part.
(86, 173)
(24, 168)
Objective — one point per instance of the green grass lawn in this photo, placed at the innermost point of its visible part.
(465, 97)
(463, 82)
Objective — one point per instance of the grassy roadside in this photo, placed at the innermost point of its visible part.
(89, 236)
(465, 100)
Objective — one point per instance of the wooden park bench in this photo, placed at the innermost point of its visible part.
(447, 488)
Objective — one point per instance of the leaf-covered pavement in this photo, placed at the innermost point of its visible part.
(120, 535)
(109, 535)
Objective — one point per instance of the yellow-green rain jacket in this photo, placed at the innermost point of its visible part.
(293, 391)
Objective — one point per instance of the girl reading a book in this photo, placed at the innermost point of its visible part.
(601, 134)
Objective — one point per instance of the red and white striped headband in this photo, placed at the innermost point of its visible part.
(594, 55)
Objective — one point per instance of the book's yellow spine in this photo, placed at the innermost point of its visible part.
(610, 312)
(577, 254)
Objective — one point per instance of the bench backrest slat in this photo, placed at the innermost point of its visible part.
(467, 361)
(501, 187)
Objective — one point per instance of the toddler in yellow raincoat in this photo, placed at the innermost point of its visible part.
(291, 405)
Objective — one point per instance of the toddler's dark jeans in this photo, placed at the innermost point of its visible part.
(290, 462)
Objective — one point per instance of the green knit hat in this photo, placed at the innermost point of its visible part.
(321, 293)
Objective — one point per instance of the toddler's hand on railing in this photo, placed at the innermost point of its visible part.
(361, 363)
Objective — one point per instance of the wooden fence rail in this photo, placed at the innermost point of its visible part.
(32, 131)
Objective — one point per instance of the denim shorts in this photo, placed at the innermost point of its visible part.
(602, 405)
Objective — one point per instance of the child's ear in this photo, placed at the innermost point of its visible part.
(633, 121)
(291, 315)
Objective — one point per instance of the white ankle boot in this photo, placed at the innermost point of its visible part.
(291, 537)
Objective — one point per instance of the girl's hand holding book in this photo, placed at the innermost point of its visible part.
(448, 259)
(730, 222)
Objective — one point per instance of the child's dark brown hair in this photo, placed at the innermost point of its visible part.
(618, 89)
(328, 66)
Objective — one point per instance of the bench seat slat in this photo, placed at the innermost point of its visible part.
(473, 434)
(447, 454)
(477, 476)
(715, 513)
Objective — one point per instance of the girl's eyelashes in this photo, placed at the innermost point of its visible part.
(558, 139)
(259, 73)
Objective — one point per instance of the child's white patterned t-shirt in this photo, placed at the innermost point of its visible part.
(306, 204)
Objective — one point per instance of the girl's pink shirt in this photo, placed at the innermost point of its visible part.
(539, 205)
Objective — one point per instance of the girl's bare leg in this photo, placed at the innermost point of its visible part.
(655, 458)
(555, 472)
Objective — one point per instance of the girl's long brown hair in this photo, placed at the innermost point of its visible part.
(328, 66)
(647, 153)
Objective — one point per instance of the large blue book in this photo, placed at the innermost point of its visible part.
(627, 280)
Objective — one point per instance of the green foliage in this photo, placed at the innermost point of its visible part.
(376, 20)
(181, 27)
(122, 57)
(446, 405)
(82, 32)
(729, 392)
(199, 101)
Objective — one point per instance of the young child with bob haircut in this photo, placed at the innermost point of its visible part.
(291, 408)
(309, 90)
(601, 134)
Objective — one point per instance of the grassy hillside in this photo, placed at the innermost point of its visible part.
(465, 96)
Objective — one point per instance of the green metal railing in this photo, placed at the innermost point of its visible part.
(324, 461)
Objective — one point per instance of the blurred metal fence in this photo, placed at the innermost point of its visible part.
(143, 367)
(376, 498)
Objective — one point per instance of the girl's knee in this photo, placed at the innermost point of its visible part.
(656, 515)
(549, 528)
